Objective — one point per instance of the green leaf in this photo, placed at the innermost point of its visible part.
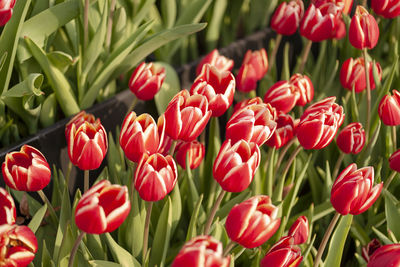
(65, 218)
(120, 254)
(98, 263)
(60, 60)
(168, 11)
(392, 215)
(37, 218)
(214, 29)
(176, 207)
(170, 87)
(30, 86)
(46, 258)
(338, 240)
(192, 232)
(49, 111)
(143, 12)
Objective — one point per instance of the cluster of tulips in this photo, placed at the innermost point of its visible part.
(155, 148)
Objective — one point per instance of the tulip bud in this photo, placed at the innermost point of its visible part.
(247, 102)
(387, 255)
(218, 86)
(103, 208)
(299, 230)
(215, 59)
(351, 139)
(253, 69)
(305, 88)
(394, 161)
(319, 124)
(139, 135)
(285, 253)
(282, 96)
(146, 80)
(287, 16)
(18, 245)
(201, 251)
(252, 222)
(26, 170)
(363, 31)
(389, 109)
(186, 116)
(386, 8)
(192, 151)
(6, 10)
(236, 164)
(369, 249)
(254, 123)
(353, 191)
(345, 5)
(8, 212)
(155, 176)
(284, 131)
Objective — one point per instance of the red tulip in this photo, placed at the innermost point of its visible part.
(253, 69)
(354, 191)
(387, 255)
(146, 80)
(247, 102)
(344, 4)
(155, 176)
(369, 249)
(103, 208)
(186, 116)
(8, 212)
(219, 61)
(78, 120)
(254, 123)
(319, 124)
(285, 253)
(299, 230)
(351, 139)
(139, 135)
(236, 164)
(252, 222)
(6, 10)
(218, 86)
(305, 88)
(192, 151)
(287, 16)
(363, 31)
(394, 161)
(284, 131)
(201, 251)
(18, 245)
(165, 140)
(389, 109)
(282, 96)
(386, 8)
(26, 170)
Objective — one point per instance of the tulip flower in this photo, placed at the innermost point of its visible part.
(215, 59)
(186, 116)
(369, 249)
(285, 253)
(351, 139)
(18, 245)
(284, 131)
(354, 191)
(26, 170)
(345, 5)
(146, 80)
(78, 120)
(299, 230)
(387, 255)
(201, 251)
(253, 69)
(6, 10)
(305, 88)
(192, 151)
(8, 212)
(287, 16)
(165, 141)
(155, 176)
(282, 96)
(363, 31)
(254, 123)
(236, 164)
(319, 124)
(103, 208)
(389, 109)
(352, 74)
(218, 86)
(386, 8)
(139, 135)
(247, 102)
(394, 161)
(252, 222)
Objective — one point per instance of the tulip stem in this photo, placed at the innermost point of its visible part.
(290, 161)
(109, 26)
(86, 24)
(172, 148)
(304, 57)
(389, 180)
(326, 238)
(394, 138)
(132, 106)
(146, 230)
(282, 155)
(229, 247)
(366, 63)
(86, 181)
(49, 206)
(275, 50)
(337, 165)
(75, 249)
(213, 212)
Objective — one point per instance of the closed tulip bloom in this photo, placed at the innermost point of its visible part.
(282, 96)
(214, 58)
(354, 191)
(287, 16)
(186, 116)
(8, 212)
(139, 135)
(351, 139)
(236, 164)
(192, 151)
(387, 255)
(218, 86)
(394, 161)
(299, 230)
(369, 249)
(247, 102)
(155, 176)
(363, 31)
(389, 109)
(146, 80)
(305, 88)
(253, 69)
(254, 123)
(386, 8)
(26, 170)
(78, 120)
(6, 10)
(103, 208)
(284, 131)
(201, 251)
(252, 222)
(285, 253)
(344, 4)
(18, 245)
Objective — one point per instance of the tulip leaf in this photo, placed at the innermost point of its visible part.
(141, 14)
(214, 29)
(30, 86)
(192, 232)
(382, 236)
(168, 11)
(170, 87)
(176, 207)
(94, 245)
(67, 243)
(49, 111)
(392, 215)
(338, 241)
(65, 218)
(37, 218)
(119, 253)
(60, 60)
(99, 263)
(46, 258)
